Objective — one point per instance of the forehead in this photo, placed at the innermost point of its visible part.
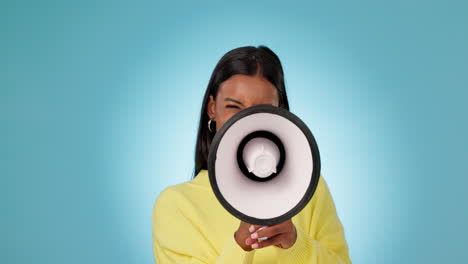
(249, 89)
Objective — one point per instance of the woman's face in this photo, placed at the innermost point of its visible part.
(239, 92)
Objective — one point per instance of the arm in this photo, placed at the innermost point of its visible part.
(325, 241)
(177, 238)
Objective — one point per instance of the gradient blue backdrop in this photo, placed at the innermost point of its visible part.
(100, 102)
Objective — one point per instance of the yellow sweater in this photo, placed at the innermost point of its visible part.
(191, 226)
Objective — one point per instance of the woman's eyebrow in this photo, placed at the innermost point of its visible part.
(233, 100)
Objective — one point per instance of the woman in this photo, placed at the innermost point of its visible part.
(191, 226)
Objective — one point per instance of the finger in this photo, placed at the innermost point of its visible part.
(254, 228)
(249, 241)
(269, 231)
(270, 241)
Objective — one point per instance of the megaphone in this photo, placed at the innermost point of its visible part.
(264, 165)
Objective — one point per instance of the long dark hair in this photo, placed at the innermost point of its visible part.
(243, 60)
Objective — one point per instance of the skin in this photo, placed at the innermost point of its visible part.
(234, 94)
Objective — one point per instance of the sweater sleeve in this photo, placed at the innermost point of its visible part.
(178, 239)
(325, 241)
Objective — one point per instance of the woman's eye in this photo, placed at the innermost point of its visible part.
(232, 106)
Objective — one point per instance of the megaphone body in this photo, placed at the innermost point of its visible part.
(268, 153)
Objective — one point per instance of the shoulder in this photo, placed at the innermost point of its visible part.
(320, 198)
(167, 208)
(169, 197)
(322, 201)
(179, 196)
(322, 187)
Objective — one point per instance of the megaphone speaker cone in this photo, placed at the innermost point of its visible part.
(264, 165)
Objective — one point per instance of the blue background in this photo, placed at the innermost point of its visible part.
(100, 102)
